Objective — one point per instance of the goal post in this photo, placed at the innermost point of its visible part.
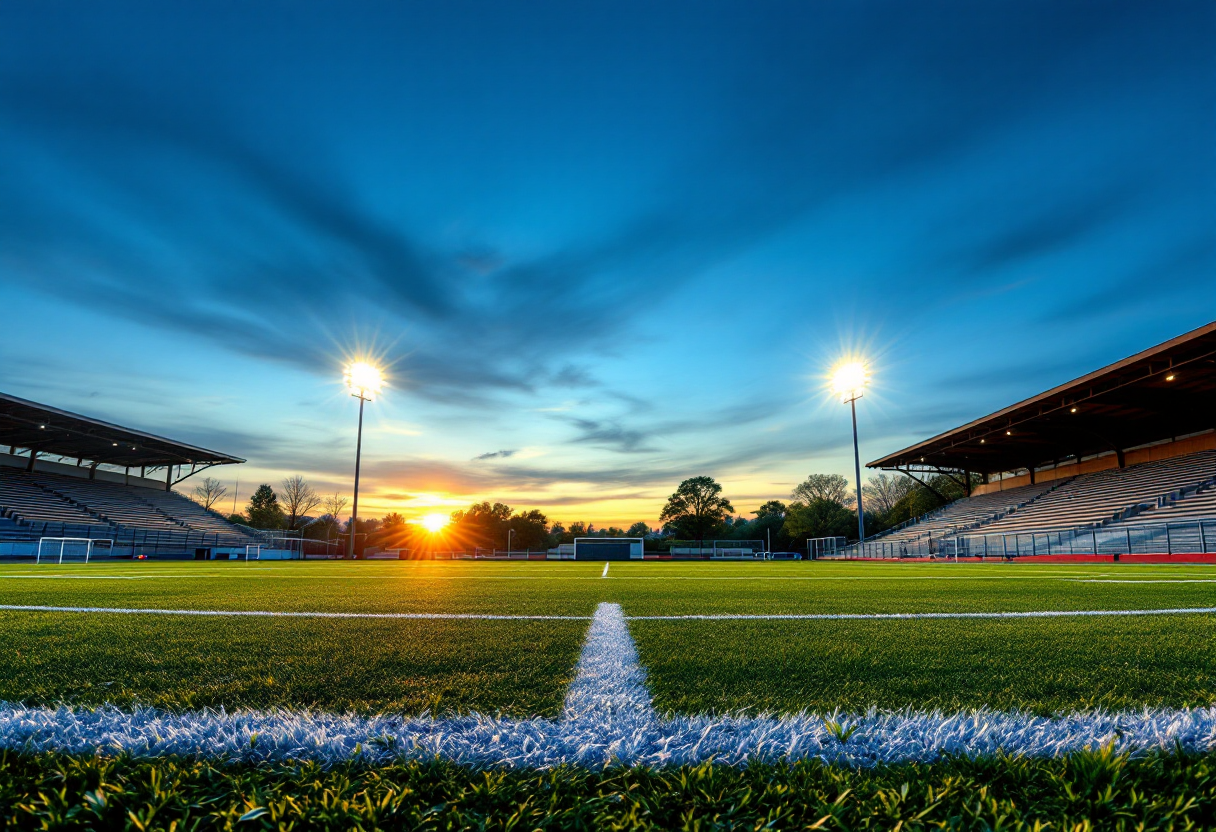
(824, 547)
(738, 549)
(73, 549)
(608, 548)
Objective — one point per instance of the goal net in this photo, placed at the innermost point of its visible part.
(720, 549)
(824, 547)
(71, 549)
(608, 548)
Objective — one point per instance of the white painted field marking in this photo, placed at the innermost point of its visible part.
(605, 575)
(1146, 581)
(81, 577)
(882, 616)
(294, 614)
(607, 720)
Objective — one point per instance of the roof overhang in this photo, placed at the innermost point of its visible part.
(1162, 393)
(49, 430)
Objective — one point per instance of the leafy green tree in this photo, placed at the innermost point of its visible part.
(831, 487)
(696, 508)
(638, 529)
(529, 530)
(263, 510)
(392, 520)
(769, 509)
(819, 518)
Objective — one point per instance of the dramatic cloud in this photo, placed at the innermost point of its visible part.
(627, 238)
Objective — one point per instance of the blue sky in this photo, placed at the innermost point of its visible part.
(601, 246)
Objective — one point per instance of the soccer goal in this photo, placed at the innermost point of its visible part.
(253, 551)
(608, 548)
(824, 547)
(738, 549)
(71, 549)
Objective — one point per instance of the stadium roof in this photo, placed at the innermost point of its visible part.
(49, 430)
(1159, 394)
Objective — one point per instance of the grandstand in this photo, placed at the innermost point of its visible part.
(1122, 459)
(67, 475)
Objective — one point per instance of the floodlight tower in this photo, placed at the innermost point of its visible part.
(849, 382)
(364, 383)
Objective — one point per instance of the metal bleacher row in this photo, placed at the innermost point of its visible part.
(33, 504)
(1117, 494)
(966, 514)
(1177, 490)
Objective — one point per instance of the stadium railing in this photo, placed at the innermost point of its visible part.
(1184, 537)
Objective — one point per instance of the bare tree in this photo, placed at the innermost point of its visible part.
(883, 491)
(335, 504)
(831, 487)
(209, 492)
(298, 498)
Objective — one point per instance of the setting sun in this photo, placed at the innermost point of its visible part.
(433, 522)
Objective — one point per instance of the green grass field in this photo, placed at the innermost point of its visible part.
(1085, 791)
(521, 668)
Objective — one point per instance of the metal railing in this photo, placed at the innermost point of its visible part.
(1180, 537)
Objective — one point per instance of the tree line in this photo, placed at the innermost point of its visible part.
(823, 505)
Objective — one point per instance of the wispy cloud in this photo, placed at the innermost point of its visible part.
(496, 455)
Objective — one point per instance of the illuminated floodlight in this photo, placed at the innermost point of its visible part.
(363, 380)
(849, 380)
(433, 523)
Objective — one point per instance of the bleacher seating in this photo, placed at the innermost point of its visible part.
(186, 511)
(21, 498)
(41, 503)
(115, 503)
(966, 513)
(1129, 495)
(1198, 505)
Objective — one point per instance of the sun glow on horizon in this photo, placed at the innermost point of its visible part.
(434, 522)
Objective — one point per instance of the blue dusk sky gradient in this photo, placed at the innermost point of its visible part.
(602, 247)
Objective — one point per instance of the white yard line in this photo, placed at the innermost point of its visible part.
(843, 616)
(605, 572)
(881, 616)
(293, 614)
(607, 720)
(1146, 581)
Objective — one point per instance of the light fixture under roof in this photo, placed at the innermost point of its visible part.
(1170, 377)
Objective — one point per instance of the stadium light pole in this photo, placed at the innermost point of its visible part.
(849, 382)
(364, 382)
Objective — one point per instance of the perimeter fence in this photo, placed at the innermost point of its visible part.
(1184, 537)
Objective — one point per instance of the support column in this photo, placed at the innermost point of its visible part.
(1119, 456)
(93, 470)
(168, 477)
(29, 466)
